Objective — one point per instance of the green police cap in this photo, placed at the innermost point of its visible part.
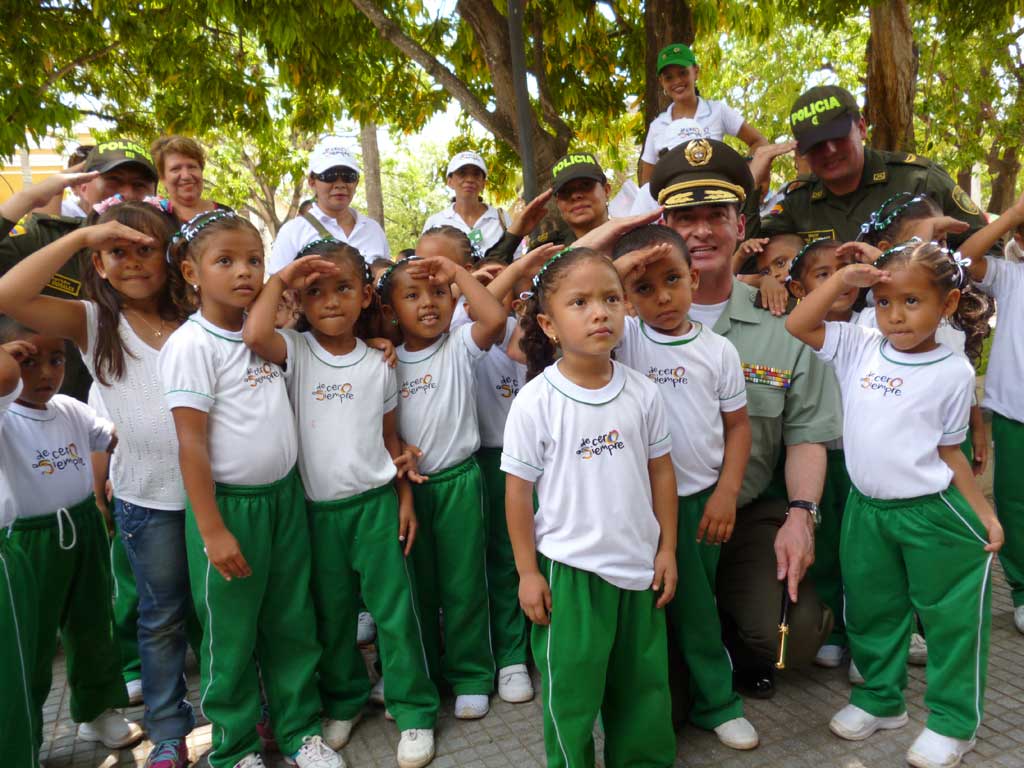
(677, 53)
(701, 172)
(822, 113)
(577, 165)
(113, 154)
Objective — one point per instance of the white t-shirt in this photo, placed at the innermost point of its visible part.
(46, 453)
(144, 469)
(437, 399)
(486, 232)
(1004, 281)
(339, 403)
(8, 507)
(712, 120)
(897, 409)
(707, 314)
(367, 236)
(700, 377)
(251, 430)
(498, 380)
(587, 451)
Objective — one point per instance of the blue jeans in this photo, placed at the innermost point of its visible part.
(155, 542)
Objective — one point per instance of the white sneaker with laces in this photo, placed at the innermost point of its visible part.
(737, 734)
(251, 761)
(111, 728)
(377, 693)
(918, 655)
(933, 750)
(1018, 618)
(415, 748)
(514, 684)
(854, 724)
(472, 706)
(134, 691)
(829, 656)
(367, 631)
(315, 754)
(338, 732)
(856, 678)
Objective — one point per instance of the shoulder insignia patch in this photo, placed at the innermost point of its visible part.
(880, 176)
(17, 230)
(818, 194)
(775, 211)
(963, 201)
(908, 158)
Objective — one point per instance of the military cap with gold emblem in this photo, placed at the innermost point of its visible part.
(701, 172)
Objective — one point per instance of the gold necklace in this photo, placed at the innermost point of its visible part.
(158, 332)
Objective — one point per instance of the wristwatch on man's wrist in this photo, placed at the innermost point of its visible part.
(811, 508)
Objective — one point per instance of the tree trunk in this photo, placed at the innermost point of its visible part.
(665, 21)
(963, 179)
(371, 172)
(1004, 170)
(892, 75)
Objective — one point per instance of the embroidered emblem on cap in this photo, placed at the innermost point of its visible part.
(698, 152)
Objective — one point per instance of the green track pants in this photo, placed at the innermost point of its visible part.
(1008, 436)
(927, 555)
(126, 610)
(19, 611)
(826, 573)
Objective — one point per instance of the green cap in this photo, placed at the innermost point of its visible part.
(677, 53)
(113, 154)
(822, 113)
(701, 172)
(576, 165)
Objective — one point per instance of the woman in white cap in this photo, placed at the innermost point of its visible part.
(483, 224)
(333, 177)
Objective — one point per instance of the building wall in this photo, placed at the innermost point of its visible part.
(38, 160)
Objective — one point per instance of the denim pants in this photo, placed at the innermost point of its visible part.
(155, 542)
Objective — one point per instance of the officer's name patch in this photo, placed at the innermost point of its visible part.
(763, 374)
(65, 284)
(818, 234)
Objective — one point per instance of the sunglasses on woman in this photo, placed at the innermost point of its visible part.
(331, 175)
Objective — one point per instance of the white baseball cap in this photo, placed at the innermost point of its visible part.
(331, 153)
(463, 159)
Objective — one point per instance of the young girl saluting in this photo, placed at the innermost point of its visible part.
(918, 534)
(437, 413)
(245, 524)
(593, 436)
(362, 524)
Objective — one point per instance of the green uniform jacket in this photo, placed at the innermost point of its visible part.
(813, 212)
(792, 397)
(18, 241)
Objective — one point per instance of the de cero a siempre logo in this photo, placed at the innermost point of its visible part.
(887, 385)
(601, 445)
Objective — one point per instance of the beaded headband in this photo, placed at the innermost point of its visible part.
(191, 229)
(793, 265)
(386, 275)
(548, 263)
(960, 262)
(160, 203)
(876, 223)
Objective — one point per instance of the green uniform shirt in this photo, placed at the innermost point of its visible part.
(33, 233)
(812, 211)
(791, 396)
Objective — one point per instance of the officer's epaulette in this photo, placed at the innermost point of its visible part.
(799, 182)
(906, 158)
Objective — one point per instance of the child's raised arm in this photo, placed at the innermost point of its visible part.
(38, 195)
(21, 287)
(527, 266)
(489, 326)
(11, 355)
(259, 333)
(977, 245)
(807, 321)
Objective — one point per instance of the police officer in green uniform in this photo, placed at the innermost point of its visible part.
(794, 409)
(119, 167)
(849, 181)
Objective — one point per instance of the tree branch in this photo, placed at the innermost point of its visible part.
(551, 115)
(81, 61)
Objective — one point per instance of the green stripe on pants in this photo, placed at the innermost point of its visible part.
(266, 617)
(1008, 489)
(927, 555)
(449, 561)
(356, 551)
(126, 610)
(69, 555)
(826, 572)
(19, 607)
(694, 614)
(603, 653)
(508, 623)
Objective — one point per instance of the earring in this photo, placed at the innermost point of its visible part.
(394, 321)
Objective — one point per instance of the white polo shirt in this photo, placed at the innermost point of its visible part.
(1004, 281)
(587, 451)
(339, 403)
(898, 408)
(700, 377)
(486, 232)
(712, 120)
(251, 430)
(437, 399)
(367, 236)
(46, 453)
(498, 380)
(8, 507)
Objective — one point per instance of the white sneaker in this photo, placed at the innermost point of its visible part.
(514, 684)
(388, 716)
(737, 734)
(1018, 618)
(918, 655)
(315, 754)
(415, 748)
(472, 706)
(854, 724)
(933, 750)
(367, 631)
(338, 732)
(111, 728)
(856, 678)
(830, 656)
(251, 761)
(377, 693)
(134, 691)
